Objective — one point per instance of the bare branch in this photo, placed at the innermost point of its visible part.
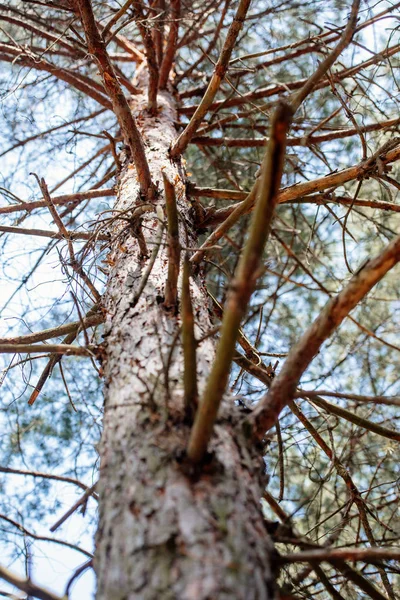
(120, 105)
(55, 235)
(66, 349)
(298, 98)
(170, 50)
(368, 555)
(43, 538)
(46, 334)
(284, 385)
(243, 284)
(65, 199)
(174, 246)
(219, 73)
(189, 346)
(27, 586)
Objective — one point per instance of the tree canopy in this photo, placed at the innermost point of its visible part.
(299, 99)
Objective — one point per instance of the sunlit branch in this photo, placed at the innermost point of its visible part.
(389, 400)
(368, 555)
(66, 349)
(299, 190)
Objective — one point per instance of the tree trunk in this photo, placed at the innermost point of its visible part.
(166, 530)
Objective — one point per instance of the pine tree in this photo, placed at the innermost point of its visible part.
(217, 249)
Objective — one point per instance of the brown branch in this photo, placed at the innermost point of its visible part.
(76, 266)
(354, 576)
(298, 98)
(345, 201)
(65, 199)
(66, 349)
(82, 500)
(295, 85)
(389, 400)
(170, 50)
(120, 13)
(56, 358)
(42, 538)
(220, 70)
(306, 140)
(51, 130)
(174, 246)
(356, 419)
(27, 586)
(284, 386)
(83, 84)
(371, 555)
(120, 105)
(292, 193)
(127, 45)
(243, 283)
(208, 50)
(55, 235)
(46, 334)
(151, 57)
(46, 476)
(189, 346)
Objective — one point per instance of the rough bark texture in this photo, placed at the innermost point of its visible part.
(166, 531)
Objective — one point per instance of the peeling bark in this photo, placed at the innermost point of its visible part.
(167, 531)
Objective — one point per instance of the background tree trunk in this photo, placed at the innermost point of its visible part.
(166, 531)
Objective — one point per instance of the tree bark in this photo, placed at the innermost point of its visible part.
(168, 530)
